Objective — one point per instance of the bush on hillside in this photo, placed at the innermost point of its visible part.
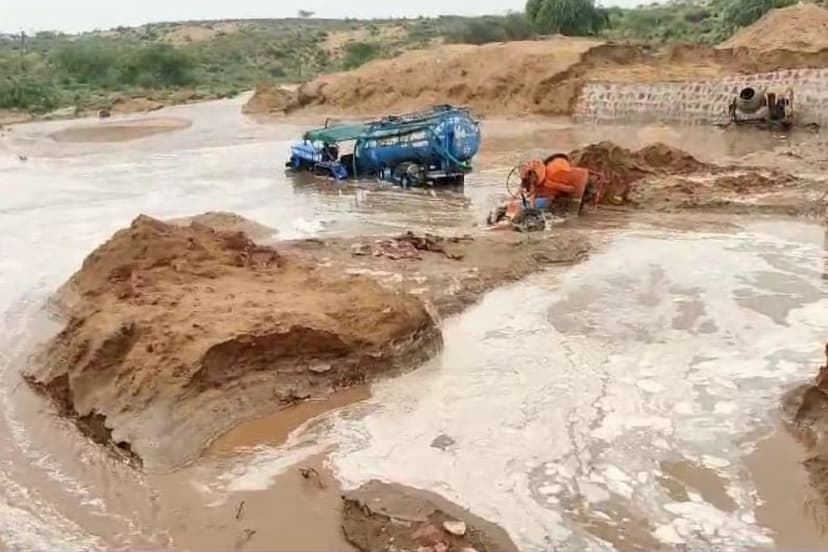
(356, 54)
(741, 13)
(514, 26)
(569, 17)
(26, 93)
(157, 66)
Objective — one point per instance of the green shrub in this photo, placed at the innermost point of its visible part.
(90, 61)
(514, 26)
(157, 66)
(569, 17)
(26, 93)
(359, 53)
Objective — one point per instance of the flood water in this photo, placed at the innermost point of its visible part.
(617, 404)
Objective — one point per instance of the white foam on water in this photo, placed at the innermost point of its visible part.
(583, 375)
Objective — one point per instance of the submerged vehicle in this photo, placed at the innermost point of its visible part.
(435, 146)
(551, 186)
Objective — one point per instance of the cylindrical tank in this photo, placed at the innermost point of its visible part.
(462, 135)
(750, 100)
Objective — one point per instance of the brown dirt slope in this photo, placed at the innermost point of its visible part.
(176, 333)
(806, 410)
(269, 100)
(379, 516)
(543, 77)
(659, 177)
(802, 28)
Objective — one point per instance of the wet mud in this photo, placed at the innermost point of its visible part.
(659, 177)
(120, 131)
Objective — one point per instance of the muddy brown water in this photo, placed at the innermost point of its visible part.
(627, 402)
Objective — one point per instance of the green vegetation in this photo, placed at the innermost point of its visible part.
(219, 59)
(359, 53)
(569, 17)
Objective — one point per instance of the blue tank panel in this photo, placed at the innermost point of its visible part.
(446, 141)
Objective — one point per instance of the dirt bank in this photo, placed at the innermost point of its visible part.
(228, 222)
(806, 414)
(659, 177)
(449, 273)
(271, 100)
(543, 77)
(176, 333)
(379, 516)
(120, 131)
(802, 27)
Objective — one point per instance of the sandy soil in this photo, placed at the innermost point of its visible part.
(802, 27)
(449, 273)
(379, 516)
(120, 131)
(270, 100)
(537, 77)
(228, 222)
(13, 116)
(187, 34)
(166, 322)
(661, 178)
(337, 40)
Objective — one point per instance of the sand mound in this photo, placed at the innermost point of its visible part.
(121, 131)
(177, 333)
(543, 77)
(270, 100)
(511, 77)
(228, 222)
(622, 167)
(803, 28)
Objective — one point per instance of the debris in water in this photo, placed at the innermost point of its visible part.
(396, 250)
(309, 473)
(442, 442)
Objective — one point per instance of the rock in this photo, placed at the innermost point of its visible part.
(442, 442)
(104, 113)
(456, 528)
(441, 547)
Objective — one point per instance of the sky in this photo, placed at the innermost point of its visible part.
(86, 15)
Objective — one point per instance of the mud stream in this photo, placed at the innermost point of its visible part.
(625, 403)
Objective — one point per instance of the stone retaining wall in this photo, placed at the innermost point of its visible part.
(699, 102)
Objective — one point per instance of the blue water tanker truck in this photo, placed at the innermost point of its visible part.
(429, 147)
